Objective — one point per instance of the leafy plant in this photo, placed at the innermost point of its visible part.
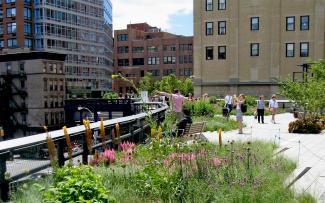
(76, 184)
(305, 126)
(201, 108)
(110, 95)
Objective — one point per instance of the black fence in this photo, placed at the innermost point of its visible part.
(27, 158)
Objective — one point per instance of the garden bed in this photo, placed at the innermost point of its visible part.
(164, 172)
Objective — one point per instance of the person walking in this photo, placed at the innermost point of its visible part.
(177, 100)
(260, 109)
(229, 102)
(239, 113)
(273, 106)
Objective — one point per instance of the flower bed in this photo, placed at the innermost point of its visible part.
(179, 172)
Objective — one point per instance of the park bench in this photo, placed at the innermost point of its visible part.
(193, 131)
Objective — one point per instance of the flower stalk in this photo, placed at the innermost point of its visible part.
(68, 141)
(88, 135)
(102, 132)
(52, 149)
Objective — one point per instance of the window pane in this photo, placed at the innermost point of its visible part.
(221, 52)
(290, 24)
(304, 49)
(290, 50)
(304, 24)
(209, 28)
(255, 23)
(209, 53)
(222, 28)
(209, 5)
(222, 5)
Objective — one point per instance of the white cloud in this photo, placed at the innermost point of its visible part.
(154, 12)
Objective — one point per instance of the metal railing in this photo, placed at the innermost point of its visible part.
(21, 158)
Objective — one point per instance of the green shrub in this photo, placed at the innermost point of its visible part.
(110, 95)
(305, 126)
(76, 184)
(213, 100)
(200, 108)
(250, 100)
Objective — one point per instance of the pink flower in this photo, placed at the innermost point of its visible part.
(166, 162)
(216, 161)
(110, 155)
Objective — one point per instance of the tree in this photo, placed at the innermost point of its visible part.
(308, 95)
(147, 83)
(110, 95)
(170, 83)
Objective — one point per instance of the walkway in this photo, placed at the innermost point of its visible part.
(306, 150)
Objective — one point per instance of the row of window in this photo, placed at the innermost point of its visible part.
(53, 68)
(12, 43)
(11, 13)
(182, 47)
(255, 50)
(53, 85)
(14, 1)
(12, 28)
(184, 59)
(255, 25)
(165, 72)
(222, 5)
(54, 118)
(53, 102)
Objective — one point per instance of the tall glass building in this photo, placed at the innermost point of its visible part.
(81, 29)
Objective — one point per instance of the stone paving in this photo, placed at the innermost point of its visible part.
(308, 150)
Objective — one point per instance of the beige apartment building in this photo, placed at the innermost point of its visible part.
(244, 46)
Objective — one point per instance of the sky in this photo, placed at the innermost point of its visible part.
(175, 16)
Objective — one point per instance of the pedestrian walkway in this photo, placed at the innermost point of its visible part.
(308, 150)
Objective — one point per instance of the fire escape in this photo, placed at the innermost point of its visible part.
(13, 96)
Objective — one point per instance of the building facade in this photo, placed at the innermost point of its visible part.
(245, 46)
(142, 48)
(32, 88)
(81, 29)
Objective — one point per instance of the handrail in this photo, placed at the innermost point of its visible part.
(58, 134)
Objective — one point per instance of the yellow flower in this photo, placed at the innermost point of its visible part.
(68, 141)
(102, 132)
(159, 133)
(114, 76)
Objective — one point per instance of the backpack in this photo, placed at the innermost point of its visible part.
(243, 107)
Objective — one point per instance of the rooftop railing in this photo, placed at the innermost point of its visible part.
(22, 158)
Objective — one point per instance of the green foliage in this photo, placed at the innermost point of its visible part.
(213, 100)
(250, 100)
(200, 108)
(76, 184)
(170, 83)
(147, 83)
(110, 95)
(308, 95)
(216, 123)
(305, 126)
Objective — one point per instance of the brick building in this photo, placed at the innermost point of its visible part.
(142, 48)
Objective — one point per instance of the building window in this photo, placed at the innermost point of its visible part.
(28, 43)
(290, 50)
(45, 85)
(123, 49)
(209, 53)
(11, 28)
(209, 5)
(255, 49)
(222, 54)
(222, 4)
(155, 73)
(255, 23)
(169, 72)
(27, 14)
(153, 60)
(11, 12)
(122, 37)
(209, 28)
(12, 43)
(169, 47)
(138, 61)
(10, 1)
(152, 49)
(123, 62)
(28, 28)
(290, 23)
(169, 59)
(185, 47)
(137, 49)
(221, 27)
(185, 72)
(2, 44)
(304, 22)
(304, 49)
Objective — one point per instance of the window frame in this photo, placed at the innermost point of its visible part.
(258, 49)
(206, 53)
(207, 4)
(308, 22)
(219, 53)
(293, 50)
(219, 5)
(294, 23)
(219, 28)
(206, 29)
(258, 23)
(301, 43)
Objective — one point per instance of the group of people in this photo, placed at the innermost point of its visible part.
(239, 103)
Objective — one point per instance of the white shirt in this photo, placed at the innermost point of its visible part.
(228, 99)
(273, 104)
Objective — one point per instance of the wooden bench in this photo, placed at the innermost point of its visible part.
(193, 131)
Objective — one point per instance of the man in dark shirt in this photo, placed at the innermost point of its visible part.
(184, 121)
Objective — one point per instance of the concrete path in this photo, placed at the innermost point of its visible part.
(306, 150)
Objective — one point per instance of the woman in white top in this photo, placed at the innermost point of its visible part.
(239, 114)
(273, 105)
